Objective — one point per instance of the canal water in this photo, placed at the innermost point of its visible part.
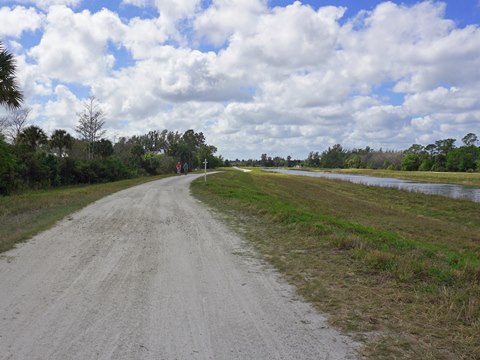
(448, 190)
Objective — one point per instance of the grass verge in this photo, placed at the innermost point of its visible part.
(22, 216)
(400, 271)
(467, 179)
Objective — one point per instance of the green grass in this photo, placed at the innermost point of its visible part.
(468, 179)
(399, 270)
(22, 216)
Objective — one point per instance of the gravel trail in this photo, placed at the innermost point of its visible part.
(148, 273)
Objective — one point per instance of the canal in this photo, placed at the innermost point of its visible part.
(448, 190)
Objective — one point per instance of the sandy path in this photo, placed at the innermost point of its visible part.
(147, 273)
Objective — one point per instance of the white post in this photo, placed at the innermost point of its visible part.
(205, 162)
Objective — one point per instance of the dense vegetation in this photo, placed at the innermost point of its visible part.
(33, 160)
(442, 155)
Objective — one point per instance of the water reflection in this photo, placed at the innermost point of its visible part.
(448, 190)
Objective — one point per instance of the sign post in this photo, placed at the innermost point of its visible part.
(205, 162)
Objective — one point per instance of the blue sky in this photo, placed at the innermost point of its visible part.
(255, 76)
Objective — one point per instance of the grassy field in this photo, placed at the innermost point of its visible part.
(397, 270)
(22, 216)
(468, 179)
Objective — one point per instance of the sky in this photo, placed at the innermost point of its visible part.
(255, 76)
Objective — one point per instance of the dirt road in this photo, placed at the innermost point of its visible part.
(148, 273)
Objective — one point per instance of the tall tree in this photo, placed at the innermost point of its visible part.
(33, 137)
(190, 144)
(263, 160)
(313, 159)
(431, 149)
(154, 141)
(172, 140)
(445, 145)
(90, 124)
(10, 94)
(415, 149)
(334, 157)
(470, 139)
(61, 140)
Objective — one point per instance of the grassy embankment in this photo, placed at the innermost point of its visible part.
(24, 215)
(468, 179)
(399, 270)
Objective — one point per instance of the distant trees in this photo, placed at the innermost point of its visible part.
(313, 159)
(369, 158)
(265, 161)
(442, 155)
(463, 159)
(32, 160)
(334, 157)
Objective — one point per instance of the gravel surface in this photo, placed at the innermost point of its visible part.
(149, 273)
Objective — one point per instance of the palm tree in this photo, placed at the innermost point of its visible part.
(33, 137)
(61, 140)
(10, 94)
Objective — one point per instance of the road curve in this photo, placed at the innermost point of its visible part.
(148, 273)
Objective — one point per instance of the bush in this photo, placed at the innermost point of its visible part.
(411, 162)
(115, 170)
(68, 172)
(158, 164)
(38, 169)
(84, 174)
(99, 171)
(353, 162)
(426, 165)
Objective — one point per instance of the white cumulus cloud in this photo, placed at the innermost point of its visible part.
(73, 46)
(14, 21)
(284, 80)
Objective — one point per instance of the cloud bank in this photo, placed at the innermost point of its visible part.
(282, 80)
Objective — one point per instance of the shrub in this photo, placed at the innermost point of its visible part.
(155, 164)
(411, 162)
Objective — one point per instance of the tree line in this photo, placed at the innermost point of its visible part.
(442, 155)
(30, 159)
